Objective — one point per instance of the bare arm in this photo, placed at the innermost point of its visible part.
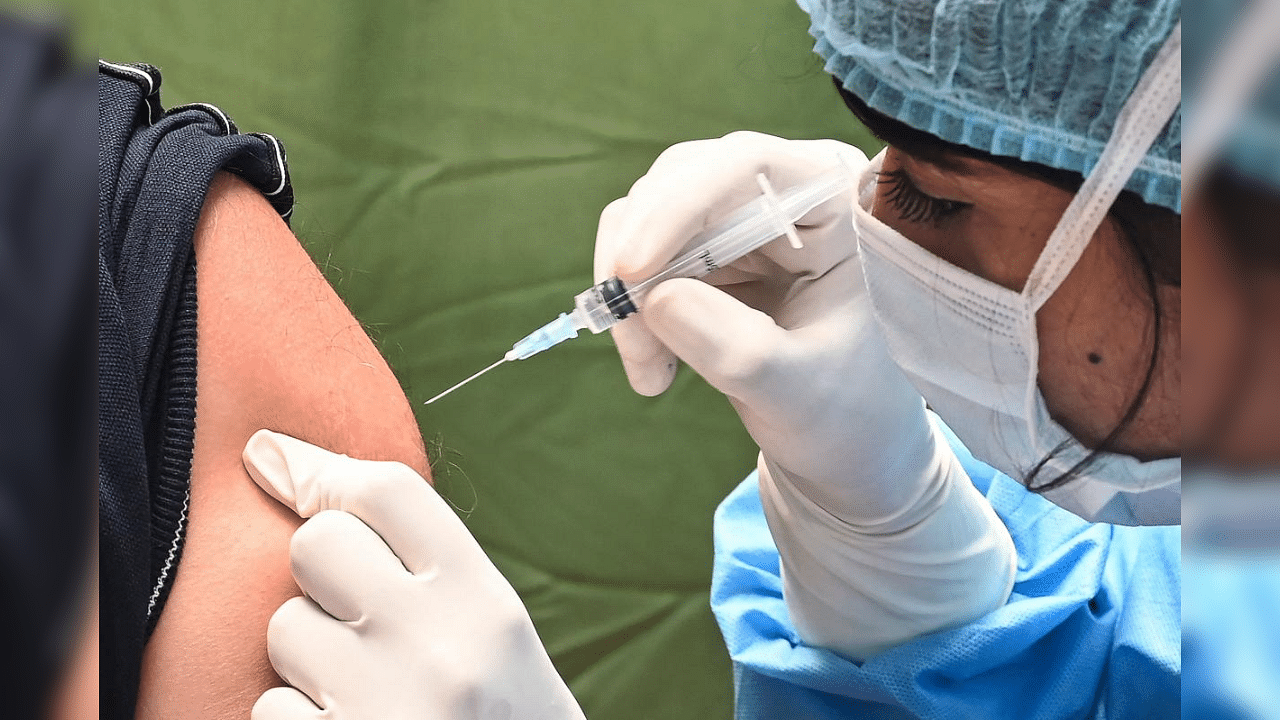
(277, 349)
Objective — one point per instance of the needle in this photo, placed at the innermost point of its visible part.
(464, 382)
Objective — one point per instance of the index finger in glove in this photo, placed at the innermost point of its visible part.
(732, 346)
(608, 239)
(392, 499)
(649, 365)
(342, 564)
(309, 649)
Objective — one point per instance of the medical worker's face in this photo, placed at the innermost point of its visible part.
(1232, 342)
(1095, 332)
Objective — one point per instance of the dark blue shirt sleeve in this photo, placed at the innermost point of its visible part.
(154, 171)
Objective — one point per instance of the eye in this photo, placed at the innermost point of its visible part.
(913, 205)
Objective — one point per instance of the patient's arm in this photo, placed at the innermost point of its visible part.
(277, 349)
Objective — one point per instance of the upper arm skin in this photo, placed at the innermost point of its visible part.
(276, 349)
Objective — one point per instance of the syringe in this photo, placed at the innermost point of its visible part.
(768, 217)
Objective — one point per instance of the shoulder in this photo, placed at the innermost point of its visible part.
(277, 349)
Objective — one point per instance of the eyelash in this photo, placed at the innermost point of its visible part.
(913, 205)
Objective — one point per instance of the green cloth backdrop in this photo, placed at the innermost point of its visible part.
(450, 159)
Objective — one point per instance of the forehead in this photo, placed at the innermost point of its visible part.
(976, 177)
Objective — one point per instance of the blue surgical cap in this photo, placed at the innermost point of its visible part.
(1252, 147)
(1038, 80)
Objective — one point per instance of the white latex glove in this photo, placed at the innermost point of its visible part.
(404, 615)
(881, 534)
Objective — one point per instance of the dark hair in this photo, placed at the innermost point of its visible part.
(1249, 214)
(1245, 214)
(1153, 232)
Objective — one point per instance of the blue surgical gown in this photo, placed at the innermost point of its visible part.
(1231, 599)
(1092, 629)
(1231, 640)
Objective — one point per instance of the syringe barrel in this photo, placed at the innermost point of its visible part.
(751, 226)
(604, 305)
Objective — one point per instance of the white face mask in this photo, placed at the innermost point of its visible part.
(970, 346)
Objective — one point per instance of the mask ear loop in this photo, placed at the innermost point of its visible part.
(1149, 108)
(1232, 79)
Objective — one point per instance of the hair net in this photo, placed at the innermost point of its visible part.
(1039, 80)
(1251, 146)
(1254, 147)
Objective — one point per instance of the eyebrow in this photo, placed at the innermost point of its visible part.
(949, 161)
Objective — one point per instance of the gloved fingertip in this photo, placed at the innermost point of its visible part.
(288, 469)
(284, 703)
(650, 365)
(651, 378)
(264, 458)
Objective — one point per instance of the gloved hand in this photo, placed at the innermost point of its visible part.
(881, 534)
(404, 616)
